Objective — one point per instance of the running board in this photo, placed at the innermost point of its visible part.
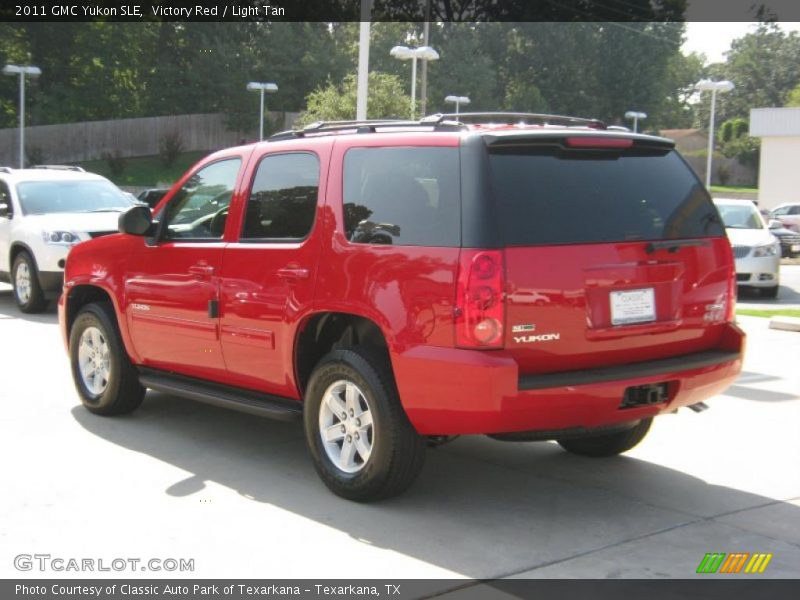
(254, 403)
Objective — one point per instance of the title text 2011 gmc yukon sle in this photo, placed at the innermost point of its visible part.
(522, 276)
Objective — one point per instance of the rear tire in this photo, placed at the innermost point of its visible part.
(361, 442)
(609, 444)
(28, 293)
(104, 377)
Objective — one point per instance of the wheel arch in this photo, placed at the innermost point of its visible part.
(79, 295)
(322, 332)
(15, 249)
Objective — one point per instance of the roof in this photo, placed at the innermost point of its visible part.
(679, 134)
(775, 122)
(47, 175)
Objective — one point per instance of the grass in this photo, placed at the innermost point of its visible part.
(146, 171)
(733, 188)
(771, 312)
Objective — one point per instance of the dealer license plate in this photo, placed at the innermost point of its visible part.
(633, 306)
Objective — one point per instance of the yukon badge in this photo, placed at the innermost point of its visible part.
(530, 339)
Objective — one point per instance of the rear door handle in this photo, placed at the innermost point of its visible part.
(293, 273)
(201, 269)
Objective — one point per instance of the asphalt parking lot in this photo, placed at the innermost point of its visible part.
(238, 494)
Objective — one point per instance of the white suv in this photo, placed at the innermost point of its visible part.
(44, 211)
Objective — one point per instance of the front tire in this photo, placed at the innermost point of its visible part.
(361, 442)
(609, 444)
(28, 293)
(104, 377)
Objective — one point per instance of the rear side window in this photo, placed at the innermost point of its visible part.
(283, 199)
(402, 196)
(545, 196)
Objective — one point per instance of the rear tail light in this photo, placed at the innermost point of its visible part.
(730, 311)
(480, 302)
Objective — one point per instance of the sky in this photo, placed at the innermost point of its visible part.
(714, 39)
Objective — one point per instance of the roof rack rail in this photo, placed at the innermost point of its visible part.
(60, 167)
(6, 170)
(509, 117)
(366, 126)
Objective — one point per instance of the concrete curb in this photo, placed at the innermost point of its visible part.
(785, 323)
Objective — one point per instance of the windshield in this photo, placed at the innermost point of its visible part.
(740, 216)
(44, 197)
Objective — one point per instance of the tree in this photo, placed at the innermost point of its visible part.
(794, 97)
(338, 102)
(763, 67)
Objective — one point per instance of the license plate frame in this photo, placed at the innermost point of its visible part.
(633, 307)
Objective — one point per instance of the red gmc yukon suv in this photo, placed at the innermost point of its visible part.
(395, 284)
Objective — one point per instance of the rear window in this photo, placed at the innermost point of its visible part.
(402, 196)
(546, 196)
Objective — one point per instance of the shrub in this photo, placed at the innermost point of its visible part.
(170, 147)
(35, 155)
(116, 162)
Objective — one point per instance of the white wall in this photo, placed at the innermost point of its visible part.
(779, 173)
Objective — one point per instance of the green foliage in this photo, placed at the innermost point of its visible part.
(170, 147)
(116, 162)
(335, 102)
(794, 97)
(735, 142)
(763, 67)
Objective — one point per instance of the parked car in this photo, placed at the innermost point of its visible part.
(788, 214)
(789, 239)
(397, 283)
(45, 211)
(152, 197)
(756, 250)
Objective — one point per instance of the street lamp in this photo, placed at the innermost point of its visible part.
(255, 86)
(636, 116)
(413, 54)
(457, 100)
(21, 71)
(706, 85)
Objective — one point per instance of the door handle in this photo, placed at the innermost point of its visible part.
(293, 273)
(201, 269)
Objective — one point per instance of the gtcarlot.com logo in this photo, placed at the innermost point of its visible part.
(58, 564)
(735, 562)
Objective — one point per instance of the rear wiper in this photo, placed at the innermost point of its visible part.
(673, 245)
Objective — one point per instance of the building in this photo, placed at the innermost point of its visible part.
(779, 172)
(687, 140)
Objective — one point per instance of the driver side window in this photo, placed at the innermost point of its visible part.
(198, 210)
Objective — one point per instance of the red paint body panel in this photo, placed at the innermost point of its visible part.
(409, 292)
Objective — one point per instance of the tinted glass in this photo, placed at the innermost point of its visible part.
(5, 198)
(402, 196)
(283, 200)
(740, 216)
(200, 208)
(43, 197)
(561, 197)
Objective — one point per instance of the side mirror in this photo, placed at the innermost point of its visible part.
(774, 224)
(3, 210)
(137, 220)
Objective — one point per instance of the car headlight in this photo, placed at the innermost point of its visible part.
(769, 250)
(63, 238)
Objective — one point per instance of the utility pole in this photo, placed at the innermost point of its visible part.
(362, 90)
(425, 37)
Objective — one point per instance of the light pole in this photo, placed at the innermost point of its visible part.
(706, 85)
(22, 71)
(421, 53)
(636, 116)
(457, 100)
(255, 86)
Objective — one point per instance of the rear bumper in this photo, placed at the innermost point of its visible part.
(451, 391)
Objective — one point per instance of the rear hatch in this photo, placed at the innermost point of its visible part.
(614, 252)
